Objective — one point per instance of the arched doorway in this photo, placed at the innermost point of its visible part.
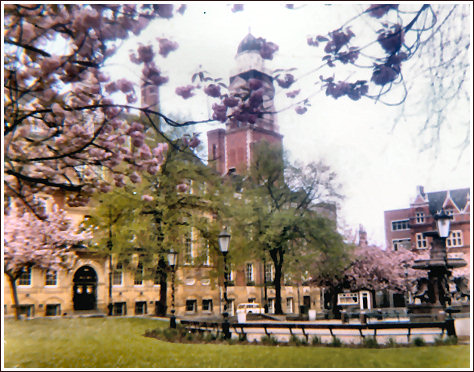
(85, 289)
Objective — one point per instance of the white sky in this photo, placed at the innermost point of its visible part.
(378, 165)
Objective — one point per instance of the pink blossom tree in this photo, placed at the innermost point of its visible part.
(30, 242)
(63, 132)
(366, 267)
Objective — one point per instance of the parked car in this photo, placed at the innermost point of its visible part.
(251, 307)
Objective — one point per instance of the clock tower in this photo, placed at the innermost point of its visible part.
(231, 148)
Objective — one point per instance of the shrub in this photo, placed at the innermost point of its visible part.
(297, 341)
(335, 342)
(170, 333)
(450, 340)
(419, 341)
(269, 340)
(242, 337)
(209, 337)
(315, 340)
(370, 342)
(391, 342)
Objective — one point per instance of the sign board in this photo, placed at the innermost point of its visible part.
(344, 299)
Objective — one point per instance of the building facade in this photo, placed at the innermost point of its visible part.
(404, 228)
(97, 283)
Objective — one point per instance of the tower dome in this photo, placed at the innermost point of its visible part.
(249, 43)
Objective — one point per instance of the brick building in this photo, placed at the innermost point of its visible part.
(405, 227)
(231, 148)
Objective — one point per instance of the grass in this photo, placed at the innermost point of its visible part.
(119, 343)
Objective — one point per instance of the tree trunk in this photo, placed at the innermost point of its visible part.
(16, 305)
(162, 304)
(277, 258)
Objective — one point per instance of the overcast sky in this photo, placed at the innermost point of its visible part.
(378, 164)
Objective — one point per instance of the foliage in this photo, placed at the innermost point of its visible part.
(62, 130)
(336, 342)
(365, 267)
(278, 214)
(178, 206)
(370, 342)
(45, 244)
(419, 341)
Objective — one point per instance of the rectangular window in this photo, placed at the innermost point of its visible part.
(269, 273)
(138, 280)
(53, 310)
(229, 277)
(25, 277)
(251, 300)
(420, 217)
(397, 244)
(421, 242)
(120, 308)
(51, 277)
(191, 306)
(27, 311)
(140, 307)
(207, 258)
(454, 239)
(400, 225)
(289, 304)
(206, 305)
(249, 274)
(188, 249)
(117, 276)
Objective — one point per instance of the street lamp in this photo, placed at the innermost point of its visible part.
(224, 240)
(172, 255)
(442, 223)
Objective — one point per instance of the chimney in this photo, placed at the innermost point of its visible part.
(420, 191)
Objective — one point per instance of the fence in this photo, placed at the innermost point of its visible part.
(400, 332)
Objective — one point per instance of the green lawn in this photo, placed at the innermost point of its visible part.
(119, 342)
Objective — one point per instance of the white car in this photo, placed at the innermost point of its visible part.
(251, 307)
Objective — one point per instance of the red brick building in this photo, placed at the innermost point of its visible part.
(405, 227)
(231, 148)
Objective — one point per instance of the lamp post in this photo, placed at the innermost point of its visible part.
(224, 240)
(172, 255)
(439, 260)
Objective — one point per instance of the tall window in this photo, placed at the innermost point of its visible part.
(268, 273)
(421, 242)
(400, 225)
(420, 217)
(117, 277)
(188, 248)
(229, 276)
(249, 274)
(454, 239)
(25, 277)
(289, 304)
(138, 275)
(51, 277)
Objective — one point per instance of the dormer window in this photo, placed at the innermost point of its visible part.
(420, 217)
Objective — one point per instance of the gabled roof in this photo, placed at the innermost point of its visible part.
(437, 199)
